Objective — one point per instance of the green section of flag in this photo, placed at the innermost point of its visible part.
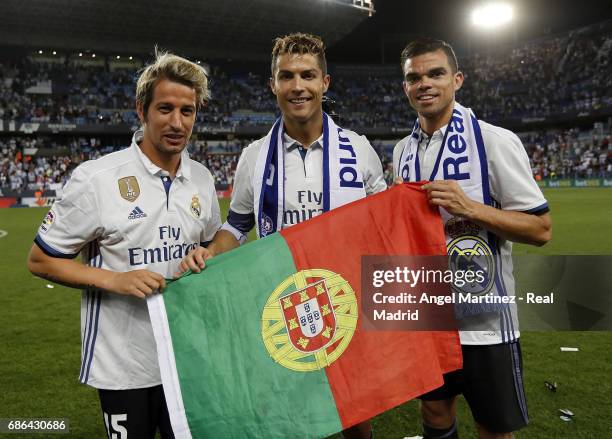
(230, 385)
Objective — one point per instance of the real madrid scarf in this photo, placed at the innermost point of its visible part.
(269, 177)
(462, 157)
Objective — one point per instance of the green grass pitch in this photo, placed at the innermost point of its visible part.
(40, 347)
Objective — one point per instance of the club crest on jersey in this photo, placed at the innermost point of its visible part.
(471, 252)
(129, 188)
(309, 320)
(266, 227)
(47, 221)
(196, 207)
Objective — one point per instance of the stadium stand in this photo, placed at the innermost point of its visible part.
(556, 91)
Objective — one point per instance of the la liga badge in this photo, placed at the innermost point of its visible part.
(48, 221)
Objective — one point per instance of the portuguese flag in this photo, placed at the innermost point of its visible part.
(266, 341)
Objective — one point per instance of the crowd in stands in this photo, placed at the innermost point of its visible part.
(20, 172)
(220, 158)
(23, 170)
(38, 92)
(554, 154)
(555, 76)
(566, 74)
(569, 154)
(562, 75)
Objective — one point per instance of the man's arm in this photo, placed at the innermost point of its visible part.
(511, 225)
(73, 221)
(195, 260)
(68, 272)
(235, 229)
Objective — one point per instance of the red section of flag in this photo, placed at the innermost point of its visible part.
(309, 317)
(379, 370)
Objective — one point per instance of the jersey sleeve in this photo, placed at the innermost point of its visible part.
(72, 221)
(242, 192)
(511, 182)
(397, 152)
(241, 216)
(373, 177)
(214, 224)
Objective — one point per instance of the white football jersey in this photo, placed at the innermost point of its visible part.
(303, 178)
(123, 213)
(512, 187)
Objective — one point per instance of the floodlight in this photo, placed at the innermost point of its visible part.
(492, 15)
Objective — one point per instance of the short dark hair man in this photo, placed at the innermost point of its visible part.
(479, 177)
(305, 166)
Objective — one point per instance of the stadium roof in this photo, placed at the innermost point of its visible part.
(397, 21)
(246, 28)
(205, 28)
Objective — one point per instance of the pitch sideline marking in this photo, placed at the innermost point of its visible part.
(3, 233)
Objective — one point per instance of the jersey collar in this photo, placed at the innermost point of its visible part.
(439, 133)
(290, 143)
(184, 169)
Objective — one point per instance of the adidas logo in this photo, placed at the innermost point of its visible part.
(137, 213)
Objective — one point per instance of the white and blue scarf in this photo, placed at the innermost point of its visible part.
(462, 157)
(342, 178)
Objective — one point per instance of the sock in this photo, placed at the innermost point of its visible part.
(441, 433)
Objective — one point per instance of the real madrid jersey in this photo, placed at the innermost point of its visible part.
(512, 188)
(303, 180)
(122, 213)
